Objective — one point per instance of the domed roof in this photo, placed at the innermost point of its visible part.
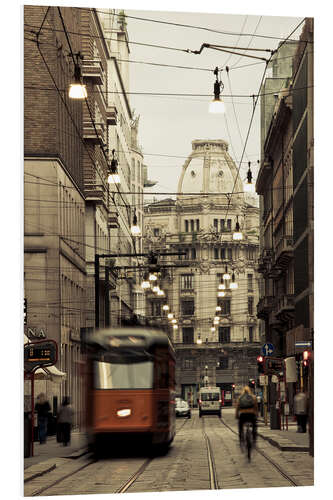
(210, 169)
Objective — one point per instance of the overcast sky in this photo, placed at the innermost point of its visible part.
(168, 124)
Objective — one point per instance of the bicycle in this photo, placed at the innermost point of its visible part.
(248, 438)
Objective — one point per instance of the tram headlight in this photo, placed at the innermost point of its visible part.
(124, 412)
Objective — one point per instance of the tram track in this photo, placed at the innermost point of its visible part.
(122, 489)
(272, 462)
(214, 485)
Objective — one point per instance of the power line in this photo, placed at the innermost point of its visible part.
(188, 25)
(169, 94)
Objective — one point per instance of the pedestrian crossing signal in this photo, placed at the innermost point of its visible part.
(260, 364)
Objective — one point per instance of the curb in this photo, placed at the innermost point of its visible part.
(287, 447)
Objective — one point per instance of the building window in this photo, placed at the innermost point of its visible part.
(223, 363)
(251, 333)
(193, 253)
(250, 282)
(216, 224)
(230, 253)
(156, 231)
(251, 253)
(198, 224)
(229, 225)
(187, 307)
(225, 305)
(155, 308)
(192, 225)
(186, 226)
(188, 335)
(250, 305)
(222, 225)
(222, 253)
(224, 334)
(186, 281)
(216, 253)
(188, 364)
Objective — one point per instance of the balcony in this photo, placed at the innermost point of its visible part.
(113, 222)
(92, 70)
(91, 135)
(111, 115)
(264, 307)
(95, 193)
(284, 308)
(284, 251)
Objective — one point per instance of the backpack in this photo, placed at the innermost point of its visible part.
(246, 401)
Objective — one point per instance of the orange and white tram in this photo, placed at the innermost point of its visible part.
(130, 387)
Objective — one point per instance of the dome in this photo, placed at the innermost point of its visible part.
(209, 169)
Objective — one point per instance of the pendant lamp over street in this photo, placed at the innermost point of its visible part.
(145, 283)
(238, 235)
(113, 177)
(135, 228)
(233, 284)
(165, 307)
(249, 186)
(217, 105)
(226, 275)
(77, 90)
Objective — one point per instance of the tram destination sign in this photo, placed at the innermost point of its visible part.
(273, 365)
(40, 354)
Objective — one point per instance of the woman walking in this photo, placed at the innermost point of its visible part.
(65, 420)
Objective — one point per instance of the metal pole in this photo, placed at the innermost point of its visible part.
(97, 290)
(32, 378)
(265, 403)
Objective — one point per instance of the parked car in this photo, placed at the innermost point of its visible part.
(182, 408)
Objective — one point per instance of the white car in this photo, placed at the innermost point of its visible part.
(182, 408)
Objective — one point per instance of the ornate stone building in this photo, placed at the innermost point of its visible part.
(200, 223)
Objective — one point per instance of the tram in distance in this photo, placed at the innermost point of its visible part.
(130, 388)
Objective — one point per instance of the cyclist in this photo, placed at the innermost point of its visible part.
(247, 411)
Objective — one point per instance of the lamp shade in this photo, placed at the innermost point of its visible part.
(216, 106)
(77, 91)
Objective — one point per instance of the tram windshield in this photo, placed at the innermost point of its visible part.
(123, 376)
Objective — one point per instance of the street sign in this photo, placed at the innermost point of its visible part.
(273, 365)
(263, 380)
(267, 349)
(39, 354)
(303, 343)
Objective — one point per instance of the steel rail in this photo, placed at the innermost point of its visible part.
(214, 485)
(41, 490)
(277, 467)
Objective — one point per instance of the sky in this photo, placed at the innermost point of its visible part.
(168, 124)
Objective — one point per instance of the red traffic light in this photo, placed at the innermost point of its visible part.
(306, 355)
(260, 359)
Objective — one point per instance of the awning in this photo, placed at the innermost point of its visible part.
(50, 373)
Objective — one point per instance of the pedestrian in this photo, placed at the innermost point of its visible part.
(301, 411)
(247, 411)
(65, 420)
(42, 408)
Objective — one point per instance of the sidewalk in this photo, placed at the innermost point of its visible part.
(45, 455)
(285, 440)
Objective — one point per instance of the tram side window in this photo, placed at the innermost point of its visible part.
(162, 374)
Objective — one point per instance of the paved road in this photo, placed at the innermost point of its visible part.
(184, 468)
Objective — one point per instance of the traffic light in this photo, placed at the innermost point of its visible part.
(306, 358)
(260, 364)
(252, 384)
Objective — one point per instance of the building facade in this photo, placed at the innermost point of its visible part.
(71, 212)
(200, 224)
(285, 186)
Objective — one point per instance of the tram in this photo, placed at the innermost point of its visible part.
(130, 388)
